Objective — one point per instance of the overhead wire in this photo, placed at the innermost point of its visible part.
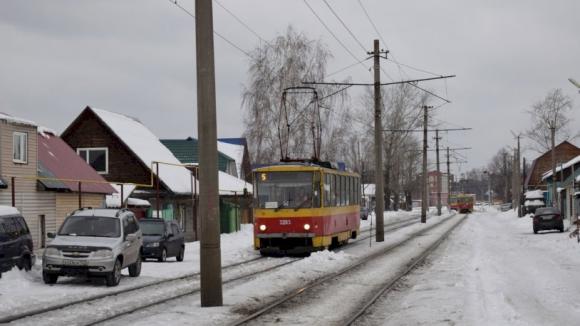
(361, 62)
(214, 31)
(242, 22)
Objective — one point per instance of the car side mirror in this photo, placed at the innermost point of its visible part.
(51, 235)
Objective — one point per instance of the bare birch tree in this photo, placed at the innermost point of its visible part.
(285, 62)
(550, 113)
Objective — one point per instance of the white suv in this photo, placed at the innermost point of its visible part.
(94, 242)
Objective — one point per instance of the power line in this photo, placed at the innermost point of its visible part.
(333, 35)
(216, 33)
(347, 67)
(242, 22)
(345, 27)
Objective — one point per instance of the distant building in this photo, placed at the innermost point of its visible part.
(433, 188)
(564, 152)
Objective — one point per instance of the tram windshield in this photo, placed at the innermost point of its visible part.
(287, 190)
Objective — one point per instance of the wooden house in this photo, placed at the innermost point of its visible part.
(123, 150)
(564, 152)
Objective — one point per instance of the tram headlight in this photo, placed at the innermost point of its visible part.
(306, 226)
(262, 227)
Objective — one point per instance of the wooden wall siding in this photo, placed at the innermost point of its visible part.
(124, 166)
(564, 153)
(30, 202)
(66, 203)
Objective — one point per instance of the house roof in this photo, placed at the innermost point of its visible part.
(57, 160)
(11, 119)
(535, 162)
(234, 151)
(561, 167)
(147, 147)
(187, 152)
(235, 141)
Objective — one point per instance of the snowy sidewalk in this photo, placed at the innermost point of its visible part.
(492, 271)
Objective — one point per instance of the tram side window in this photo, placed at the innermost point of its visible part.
(342, 190)
(348, 191)
(327, 190)
(334, 190)
(316, 190)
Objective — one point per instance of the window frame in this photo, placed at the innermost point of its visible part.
(24, 151)
(86, 158)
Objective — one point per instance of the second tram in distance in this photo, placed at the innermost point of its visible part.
(304, 207)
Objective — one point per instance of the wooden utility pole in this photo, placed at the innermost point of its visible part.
(210, 254)
(379, 191)
(424, 177)
(438, 173)
(518, 180)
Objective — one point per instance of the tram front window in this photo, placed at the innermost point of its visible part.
(286, 190)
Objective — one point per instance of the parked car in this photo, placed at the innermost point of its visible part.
(547, 218)
(94, 242)
(15, 241)
(505, 207)
(364, 213)
(162, 239)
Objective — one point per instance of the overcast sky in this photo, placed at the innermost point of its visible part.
(137, 57)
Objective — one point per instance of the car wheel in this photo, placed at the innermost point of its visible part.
(26, 263)
(49, 278)
(181, 254)
(114, 277)
(135, 268)
(535, 231)
(562, 228)
(163, 256)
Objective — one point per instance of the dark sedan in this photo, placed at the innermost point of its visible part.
(548, 218)
(162, 239)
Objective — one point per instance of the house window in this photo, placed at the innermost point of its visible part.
(98, 158)
(19, 147)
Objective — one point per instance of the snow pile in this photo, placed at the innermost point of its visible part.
(534, 194)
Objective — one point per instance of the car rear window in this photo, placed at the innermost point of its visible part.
(152, 227)
(547, 211)
(91, 226)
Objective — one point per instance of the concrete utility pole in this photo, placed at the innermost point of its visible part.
(519, 181)
(554, 190)
(424, 179)
(438, 173)
(448, 180)
(505, 175)
(210, 254)
(379, 191)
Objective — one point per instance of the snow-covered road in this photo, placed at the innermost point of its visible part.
(491, 271)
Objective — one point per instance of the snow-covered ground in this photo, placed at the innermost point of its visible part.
(21, 291)
(492, 271)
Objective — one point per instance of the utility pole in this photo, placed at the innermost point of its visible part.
(210, 254)
(448, 179)
(379, 191)
(554, 191)
(518, 180)
(424, 179)
(438, 173)
(505, 175)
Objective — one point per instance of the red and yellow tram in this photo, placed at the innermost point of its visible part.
(463, 203)
(304, 207)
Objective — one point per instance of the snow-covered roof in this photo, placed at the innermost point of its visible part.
(138, 202)
(559, 168)
(230, 185)
(535, 202)
(368, 189)
(534, 194)
(236, 152)
(46, 132)
(11, 119)
(559, 189)
(114, 200)
(149, 149)
(8, 210)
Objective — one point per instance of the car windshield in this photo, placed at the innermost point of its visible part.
(152, 228)
(91, 226)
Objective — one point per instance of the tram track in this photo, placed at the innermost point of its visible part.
(297, 293)
(176, 283)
